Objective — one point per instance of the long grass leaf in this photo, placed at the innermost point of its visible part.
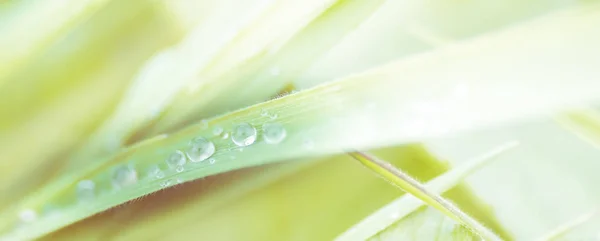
(399, 208)
(418, 190)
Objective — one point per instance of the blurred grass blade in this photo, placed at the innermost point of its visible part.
(584, 122)
(569, 226)
(23, 37)
(406, 204)
(46, 110)
(426, 224)
(403, 28)
(418, 190)
(270, 68)
(148, 93)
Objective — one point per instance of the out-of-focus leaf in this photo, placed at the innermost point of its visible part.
(585, 123)
(401, 207)
(551, 168)
(270, 60)
(420, 191)
(400, 29)
(426, 224)
(577, 229)
(45, 108)
(30, 26)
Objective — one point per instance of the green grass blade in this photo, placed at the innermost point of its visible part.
(426, 224)
(585, 123)
(569, 226)
(418, 190)
(403, 28)
(407, 204)
(23, 37)
(337, 210)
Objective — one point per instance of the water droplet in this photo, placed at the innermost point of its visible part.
(179, 180)
(176, 159)
(28, 215)
(225, 135)
(124, 176)
(273, 133)
(155, 172)
(200, 149)
(166, 183)
(244, 135)
(204, 124)
(86, 190)
(264, 112)
(217, 130)
(179, 169)
(212, 161)
(274, 116)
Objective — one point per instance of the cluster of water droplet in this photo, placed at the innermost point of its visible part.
(198, 150)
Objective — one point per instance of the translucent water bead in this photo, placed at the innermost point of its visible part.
(244, 135)
(176, 161)
(124, 176)
(273, 133)
(200, 149)
(155, 172)
(86, 190)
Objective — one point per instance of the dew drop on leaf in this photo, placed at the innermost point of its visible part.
(204, 124)
(217, 130)
(86, 190)
(124, 176)
(155, 172)
(176, 159)
(179, 169)
(200, 149)
(244, 135)
(264, 112)
(273, 133)
(166, 183)
(211, 161)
